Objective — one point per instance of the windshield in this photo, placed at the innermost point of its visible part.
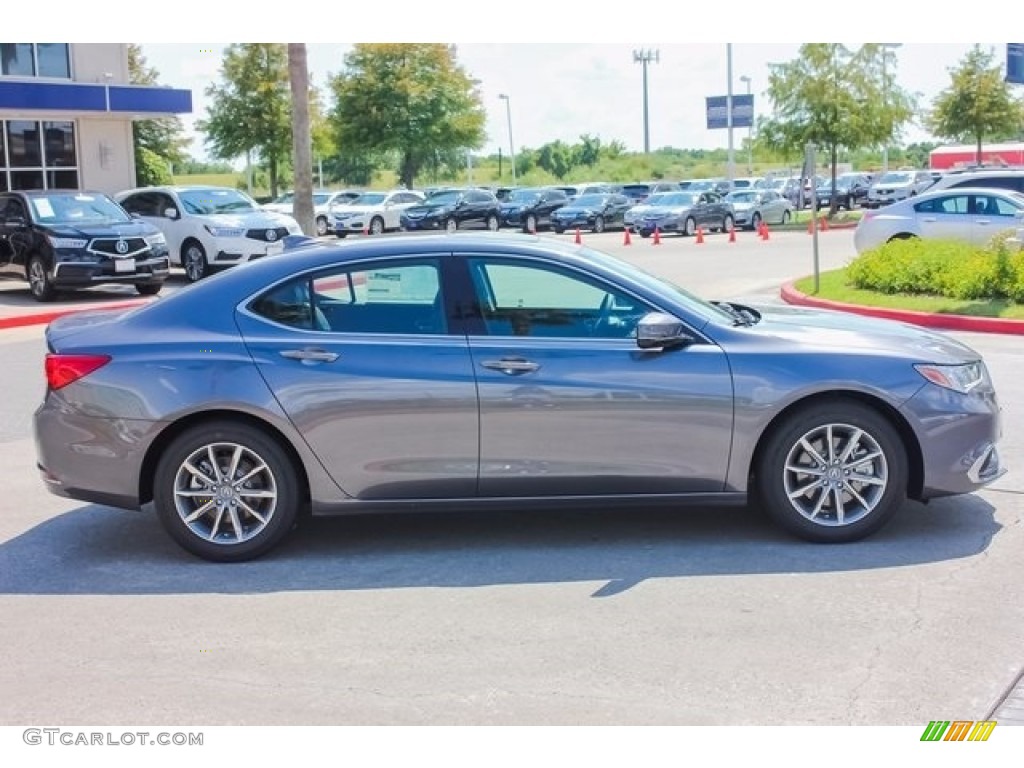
(701, 185)
(321, 199)
(370, 198)
(444, 198)
(586, 200)
(524, 196)
(205, 202)
(777, 183)
(76, 208)
(287, 197)
(742, 197)
(895, 178)
(672, 198)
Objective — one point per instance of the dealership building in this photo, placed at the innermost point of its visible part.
(66, 112)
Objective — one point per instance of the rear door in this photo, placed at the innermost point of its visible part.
(947, 217)
(992, 215)
(370, 363)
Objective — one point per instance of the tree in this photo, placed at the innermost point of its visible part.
(302, 142)
(250, 108)
(413, 99)
(555, 158)
(158, 143)
(978, 103)
(836, 98)
(588, 151)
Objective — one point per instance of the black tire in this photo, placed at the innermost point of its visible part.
(690, 227)
(558, 230)
(376, 226)
(39, 282)
(492, 223)
(645, 234)
(193, 260)
(530, 223)
(755, 221)
(815, 514)
(727, 223)
(340, 233)
(786, 216)
(599, 225)
(148, 289)
(197, 536)
(321, 226)
(452, 225)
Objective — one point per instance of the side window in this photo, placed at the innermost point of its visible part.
(954, 204)
(996, 206)
(542, 301)
(15, 210)
(142, 204)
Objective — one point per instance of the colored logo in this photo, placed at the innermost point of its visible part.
(958, 730)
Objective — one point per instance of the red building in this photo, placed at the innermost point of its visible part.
(944, 158)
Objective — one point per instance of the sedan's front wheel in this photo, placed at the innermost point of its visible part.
(226, 491)
(833, 472)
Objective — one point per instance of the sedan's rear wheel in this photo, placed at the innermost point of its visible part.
(226, 492)
(599, 225)
(690, 227)
(755, 221)
(833, 472)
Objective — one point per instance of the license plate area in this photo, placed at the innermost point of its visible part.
(122, 266)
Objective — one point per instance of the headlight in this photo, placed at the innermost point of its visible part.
(959, 378)
(157, 239)
(67, 242)
(224, 231)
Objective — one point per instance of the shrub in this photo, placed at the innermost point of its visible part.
(909, 266)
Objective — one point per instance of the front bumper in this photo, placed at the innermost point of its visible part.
(647, 226)
(238, 250)
(78, 274)
(426, 223)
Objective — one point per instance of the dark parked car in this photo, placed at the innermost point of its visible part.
(596, 212)
(480, 371)
(851, 191)
(640, 191)
(530, 209)
(454, 209)
(681, 212)
(61, 240)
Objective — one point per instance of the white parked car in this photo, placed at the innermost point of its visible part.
(209, 227)
(894, 186)
(974, 214)
(374, 212)
(323, 201)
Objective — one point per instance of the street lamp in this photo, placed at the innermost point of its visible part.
(886, 47)
(512, 147)
(646, 57)
(750, 131)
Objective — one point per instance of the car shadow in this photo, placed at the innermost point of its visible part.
(99, 550)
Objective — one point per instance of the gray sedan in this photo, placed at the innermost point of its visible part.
(488, 371)
(973, 214)
(752, 206)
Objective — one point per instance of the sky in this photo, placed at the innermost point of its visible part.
(567, 67)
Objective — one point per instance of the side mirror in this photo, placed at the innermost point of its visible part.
(656, 330)
(135, 215)
(171, 213)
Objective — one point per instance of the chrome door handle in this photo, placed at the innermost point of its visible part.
(511, 366)
(310, 355)
(983, 222)
(929, 219)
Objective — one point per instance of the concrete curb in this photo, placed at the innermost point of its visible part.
(43, 318)
(928, 319)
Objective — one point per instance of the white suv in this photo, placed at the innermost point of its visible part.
(1001, 178)
(209, 227)
(374, 212)
(323, 201)
(894, 186)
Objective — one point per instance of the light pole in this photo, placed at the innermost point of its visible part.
(646, 57)
(728, 109)
(750, 131)
(886, 47)
(512, 147)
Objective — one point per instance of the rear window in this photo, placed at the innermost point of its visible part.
(1015, 183)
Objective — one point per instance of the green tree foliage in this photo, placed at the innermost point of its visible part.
(978, 103)
(835, 97)
(556, 158)
(250, 108)
(157, 142)
(413, 99)
(588, 151)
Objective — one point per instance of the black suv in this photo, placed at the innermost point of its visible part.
(453, 209)
(531, 208)
(62, 239)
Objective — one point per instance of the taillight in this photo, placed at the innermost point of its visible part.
(62, 370)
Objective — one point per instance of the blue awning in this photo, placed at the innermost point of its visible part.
(89, 97)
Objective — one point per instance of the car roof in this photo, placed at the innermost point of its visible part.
(39, 192)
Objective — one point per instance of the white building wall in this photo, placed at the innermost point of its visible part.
(91, 62)
(106, 159)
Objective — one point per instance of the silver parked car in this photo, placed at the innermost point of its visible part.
(489, 370)
(752, 206)
(963, 213)
(894, 186)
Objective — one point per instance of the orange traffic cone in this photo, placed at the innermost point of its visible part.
(810, 226)
(824, 223)
(700, 236)
(626, 239)
(657, 237)
(579, 240)
(765, 232)
(732, 234)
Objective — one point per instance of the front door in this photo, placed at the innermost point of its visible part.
(570, 406)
